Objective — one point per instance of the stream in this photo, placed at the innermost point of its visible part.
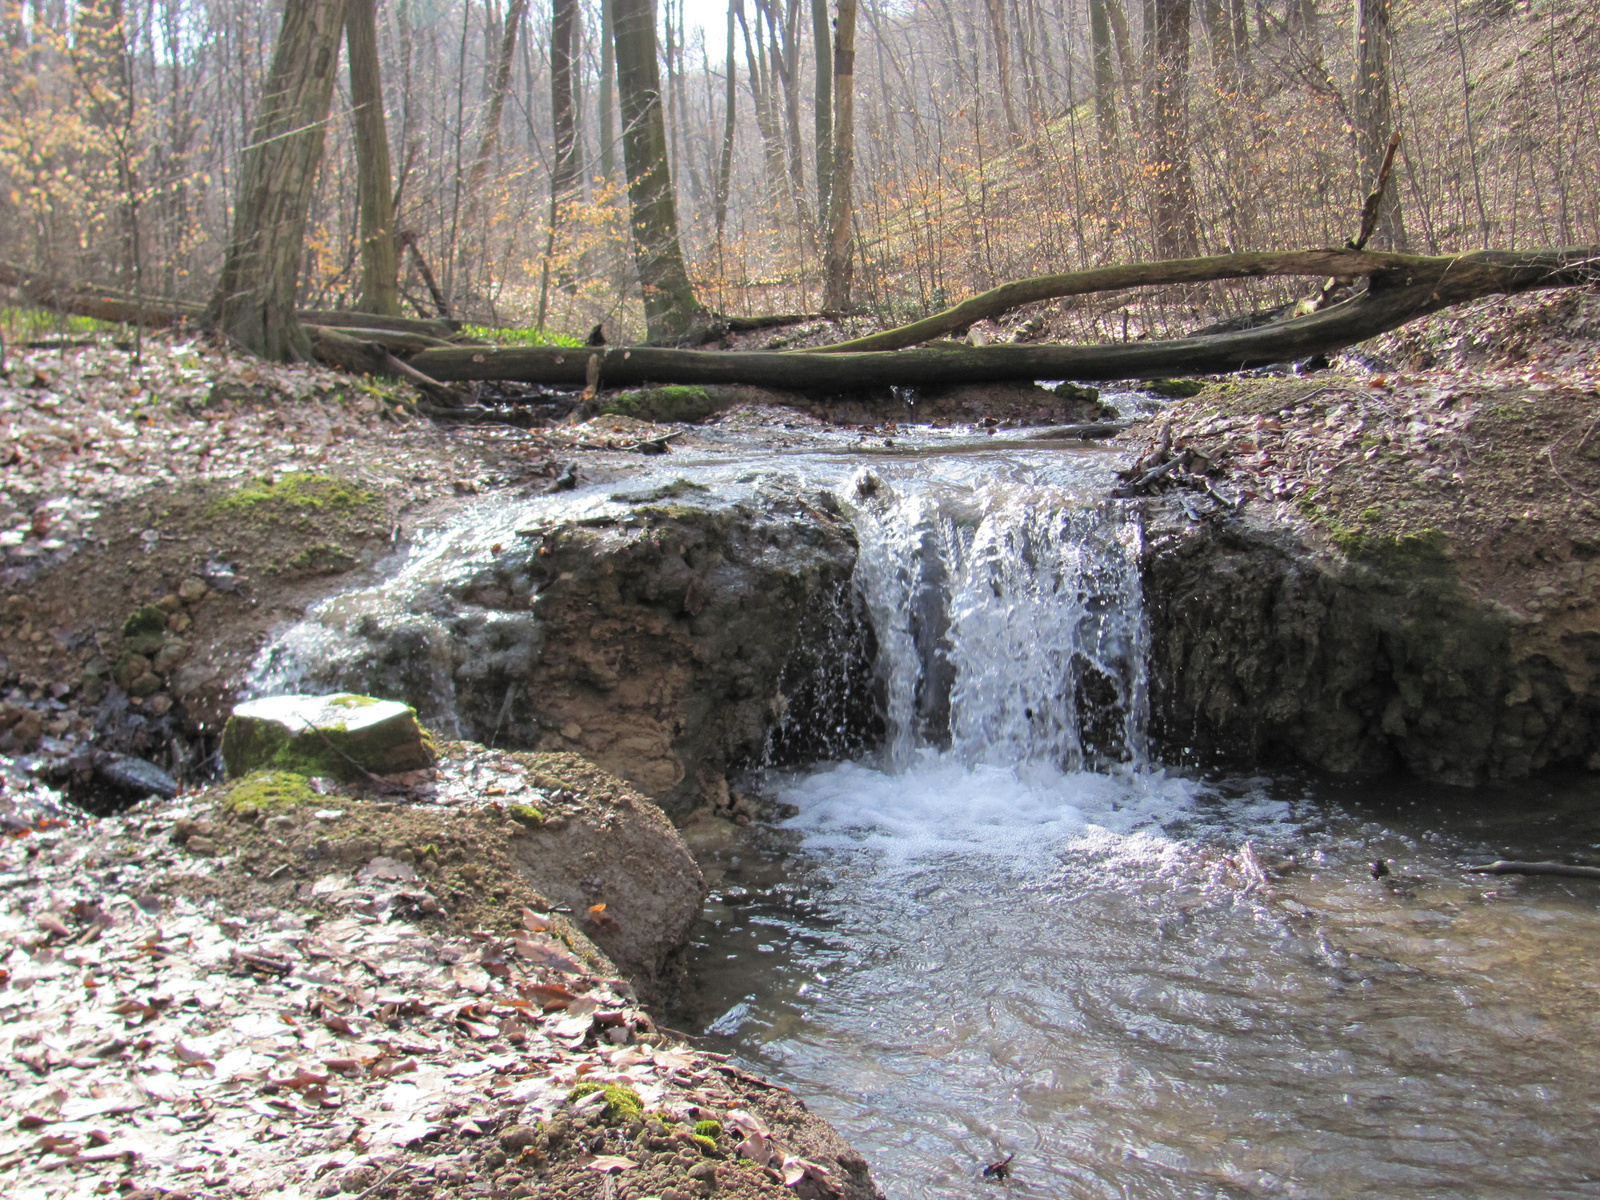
(1010, 930)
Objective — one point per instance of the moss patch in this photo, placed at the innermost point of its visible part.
(621, 1102)
(1173, 389)
(677, 403)
(295, 492)
(263, 792)
(525, 814)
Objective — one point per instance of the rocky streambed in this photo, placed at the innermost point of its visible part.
(1365, 572)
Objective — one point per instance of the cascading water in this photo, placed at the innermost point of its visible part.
(1009, 624)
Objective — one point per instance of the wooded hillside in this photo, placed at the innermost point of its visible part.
(523, 165)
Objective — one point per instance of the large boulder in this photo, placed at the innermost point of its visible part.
(344, 736)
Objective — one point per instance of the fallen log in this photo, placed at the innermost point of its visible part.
(101, 304)
(1402, 288)
(1506, 867)
(441, 328)
(118, 307)
(1345, 263)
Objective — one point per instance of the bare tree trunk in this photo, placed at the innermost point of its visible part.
(1176, 219)
(823, 106)
(474, 243)
(670, 307)
(254, 302)
(1105, 85)
(1131, 75)
(1002, 57)
(608, 79)
(729, 125)
(1375, 116)
(761, 98)
(380, 264)
(840, 253)
(563, 27)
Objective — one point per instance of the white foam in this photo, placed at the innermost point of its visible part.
(941, 806)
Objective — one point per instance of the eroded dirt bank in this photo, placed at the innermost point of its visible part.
(1413, 579)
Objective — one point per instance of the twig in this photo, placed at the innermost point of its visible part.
(379, 781)
(1505, 867)
(385, 1181)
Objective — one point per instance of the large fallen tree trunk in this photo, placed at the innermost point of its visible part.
(1401, 288)
(109, 304)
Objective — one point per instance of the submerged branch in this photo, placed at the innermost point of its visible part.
(1506, 867)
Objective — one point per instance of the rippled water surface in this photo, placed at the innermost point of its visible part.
(956, 963)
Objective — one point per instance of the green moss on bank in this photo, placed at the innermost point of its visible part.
(621, 1101)
(294, 492)
(261, 793)
(674, 404)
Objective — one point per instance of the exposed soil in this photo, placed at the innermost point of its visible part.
(1489, 457)
(1369, 570)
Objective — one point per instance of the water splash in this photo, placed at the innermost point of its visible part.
(1010, 623)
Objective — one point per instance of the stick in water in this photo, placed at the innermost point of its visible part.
(1505, 867)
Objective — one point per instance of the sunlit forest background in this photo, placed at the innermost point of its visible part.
(991, 144)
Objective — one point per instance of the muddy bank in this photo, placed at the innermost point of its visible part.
(1412, 580)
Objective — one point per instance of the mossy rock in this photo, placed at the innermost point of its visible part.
(142, 631)
(321, 559)
(1076, 392)
(343, 736)
(262, 793)
(666, 491)
(674, 404)
(295, 492)
(1173, 389)
(621, 1101)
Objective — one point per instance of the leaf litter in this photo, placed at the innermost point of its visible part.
(171, 1029)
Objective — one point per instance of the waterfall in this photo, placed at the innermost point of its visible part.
(1009, 622)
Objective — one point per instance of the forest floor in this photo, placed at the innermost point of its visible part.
(230, 494)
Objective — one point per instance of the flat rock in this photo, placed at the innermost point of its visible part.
(343, 735)
(137, 777)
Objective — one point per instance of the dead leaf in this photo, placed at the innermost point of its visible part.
(608, 1164)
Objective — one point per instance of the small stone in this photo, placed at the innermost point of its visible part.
(494, 1160)
(147, 684)
(169, 603)
(180, 622)
(357, 1179)
(674, 1194)
(704, 1172)
(168, 657)
(137, 777)
(160, 703)
(204, 847)
(131, 667)
(193, 590)
(572, 731)
(519, 1138)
